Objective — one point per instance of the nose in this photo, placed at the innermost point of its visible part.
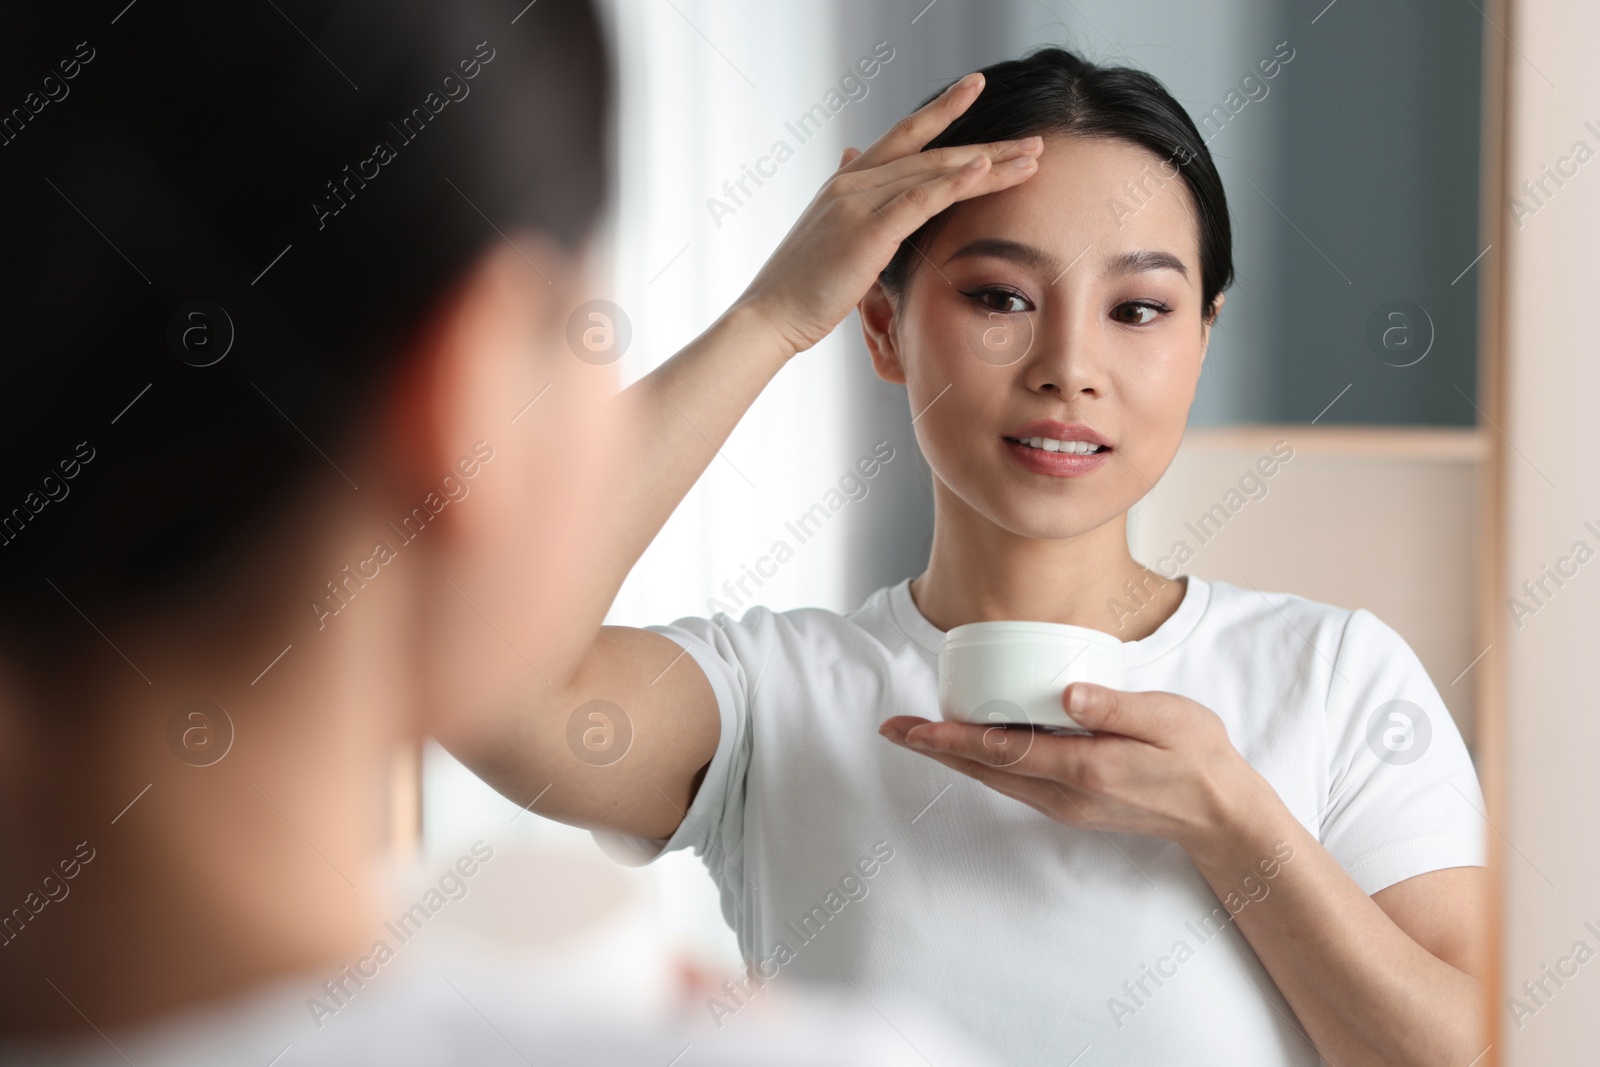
(1067, 357)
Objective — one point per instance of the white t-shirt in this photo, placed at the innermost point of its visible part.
(841, 856)
(448, 1003)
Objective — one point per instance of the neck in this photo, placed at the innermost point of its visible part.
(978, 572)
(189, 883)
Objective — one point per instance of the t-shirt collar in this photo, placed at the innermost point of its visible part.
(910, 621)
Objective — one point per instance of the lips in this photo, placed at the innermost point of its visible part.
(1059, 431)
(1058, 449)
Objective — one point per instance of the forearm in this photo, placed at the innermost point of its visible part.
(663, 431)
(660, 435)
(1365, 992)
(673, 421)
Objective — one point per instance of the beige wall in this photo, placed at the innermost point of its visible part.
(1382, 519)
(1551, 390)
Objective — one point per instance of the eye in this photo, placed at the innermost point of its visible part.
(1004, 300)
(1139, 312)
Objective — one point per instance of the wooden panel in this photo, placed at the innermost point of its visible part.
(1549, 494)
(1493, 180)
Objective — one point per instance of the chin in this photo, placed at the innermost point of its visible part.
(1041, 520)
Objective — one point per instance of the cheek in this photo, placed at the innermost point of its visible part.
(950, 391)
(1173, 372)
(956, 353)
(1156, 389)
(1160, 381)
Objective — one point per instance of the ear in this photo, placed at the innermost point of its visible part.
(877, 327)
(492, 396)
(413, 433)
(1205, 328)
(465, 353)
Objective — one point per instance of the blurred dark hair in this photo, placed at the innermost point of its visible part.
(178, 152)
(1052, 90)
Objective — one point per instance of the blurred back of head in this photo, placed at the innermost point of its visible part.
(223, 225)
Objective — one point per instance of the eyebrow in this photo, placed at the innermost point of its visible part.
(1142, 260)
(1137, 261)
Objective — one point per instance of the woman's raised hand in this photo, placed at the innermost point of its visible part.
(877, 198)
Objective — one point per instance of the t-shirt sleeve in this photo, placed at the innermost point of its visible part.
(1403, 797)
(714, 824)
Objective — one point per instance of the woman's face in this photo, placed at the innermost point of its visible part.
(1071, 299)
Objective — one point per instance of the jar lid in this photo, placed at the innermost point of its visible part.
(1011, 631)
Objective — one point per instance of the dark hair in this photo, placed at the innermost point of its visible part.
(321, 173)
(1052, 90)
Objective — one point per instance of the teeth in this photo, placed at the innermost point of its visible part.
(1050, 444)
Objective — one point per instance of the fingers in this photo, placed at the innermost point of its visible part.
(992, 757)
(921, 201)
(960, 185)
(1153, 717)
(895, 727)
(991, 746)
(997, 176)
(1030, 753)
(923, 125)
(901, 174)
(849, 154)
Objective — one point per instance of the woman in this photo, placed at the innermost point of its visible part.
(288, 410)
(1227, 871)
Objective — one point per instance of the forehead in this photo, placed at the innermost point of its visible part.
(1097, 197)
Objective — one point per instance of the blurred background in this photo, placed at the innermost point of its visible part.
(1390, 324)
